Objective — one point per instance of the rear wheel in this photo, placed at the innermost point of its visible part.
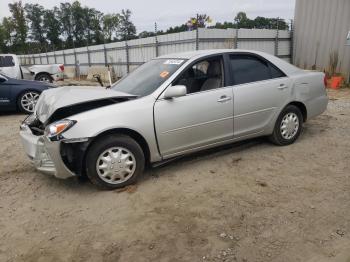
(44, 77)
(288, 126)
(114, 161)
(27, 101)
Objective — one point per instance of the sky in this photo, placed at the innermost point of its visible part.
(172, 13)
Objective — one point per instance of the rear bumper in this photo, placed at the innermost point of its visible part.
(316, 106)
(58, 76)
(44, 154)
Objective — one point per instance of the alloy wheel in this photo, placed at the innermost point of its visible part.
(29, 100)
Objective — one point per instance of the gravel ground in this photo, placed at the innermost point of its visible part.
(251, 201)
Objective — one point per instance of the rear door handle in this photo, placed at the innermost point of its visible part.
(224, 98)
(282, 86)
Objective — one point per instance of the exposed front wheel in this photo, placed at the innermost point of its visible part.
(27, 101)
(114, 161)
(288, 126)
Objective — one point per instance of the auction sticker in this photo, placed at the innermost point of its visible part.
(164, 74)
(173, 62)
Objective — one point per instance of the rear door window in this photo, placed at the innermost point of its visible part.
(6, 61)
(247, 69)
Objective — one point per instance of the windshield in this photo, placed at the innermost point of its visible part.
(148, 77)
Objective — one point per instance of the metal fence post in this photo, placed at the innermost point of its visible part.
(276, 39)
(41, 61)
(54, 55)
(64, 57)
(105, 54)
(75, 56)
(76, 62)
(197, 38)
(157, 46)
(127, 57)
(236, 42)
(291, 42)
(197, 32)
(47, 59)
(156, 39)
(88, 54)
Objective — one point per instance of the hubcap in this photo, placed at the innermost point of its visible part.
(29, 100)
(116, 165)
(44, 79)
(289, 126)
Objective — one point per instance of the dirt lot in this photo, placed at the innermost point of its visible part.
(251, 201)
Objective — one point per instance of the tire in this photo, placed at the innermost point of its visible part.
(288, 126)
(104, 156)
(44, 77)
(27, 100)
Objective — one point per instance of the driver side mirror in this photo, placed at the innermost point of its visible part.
(175, 91)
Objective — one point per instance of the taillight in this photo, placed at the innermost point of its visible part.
(325, 81)
(61, 68)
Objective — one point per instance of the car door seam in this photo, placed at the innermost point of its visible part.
(258, 111)
(196, 125)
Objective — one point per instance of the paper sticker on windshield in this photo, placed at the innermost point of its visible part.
(173, 62)
(164, 74)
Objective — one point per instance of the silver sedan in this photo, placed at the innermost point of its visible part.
(171, 106)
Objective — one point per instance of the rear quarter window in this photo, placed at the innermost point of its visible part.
(6, 61)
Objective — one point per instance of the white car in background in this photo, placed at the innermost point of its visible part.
(10, 66)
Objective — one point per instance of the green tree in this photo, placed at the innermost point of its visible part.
(177, 29)
(79, 24)
(242, 21)
(34, 14)
(52, 26)
(93, 28)
(278, 22)
(145, 34)
(127, 29)
(110, 24)
(270, 23)
(65, 18)
(223, 25)
(19, 24)
(2, 39)
(7, 32)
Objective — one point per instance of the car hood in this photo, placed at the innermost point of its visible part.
(75, 100)
(32, 83)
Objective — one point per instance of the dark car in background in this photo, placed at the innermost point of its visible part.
(20, 95)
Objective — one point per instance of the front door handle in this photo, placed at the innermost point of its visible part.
(282, 86)
(224, 98)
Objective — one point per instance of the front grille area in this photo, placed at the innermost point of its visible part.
(34, 125)
(37, 128)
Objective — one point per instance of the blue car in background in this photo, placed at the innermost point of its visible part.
(20, 95)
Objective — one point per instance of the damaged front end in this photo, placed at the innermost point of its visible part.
(44, 142)
(44, 153)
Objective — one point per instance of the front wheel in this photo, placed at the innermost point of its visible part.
(288, 126)
(114, 161)
(27, 101)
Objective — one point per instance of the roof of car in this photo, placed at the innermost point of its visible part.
(200, 53)
(286, 67)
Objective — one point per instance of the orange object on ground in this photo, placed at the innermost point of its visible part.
(336, 81)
